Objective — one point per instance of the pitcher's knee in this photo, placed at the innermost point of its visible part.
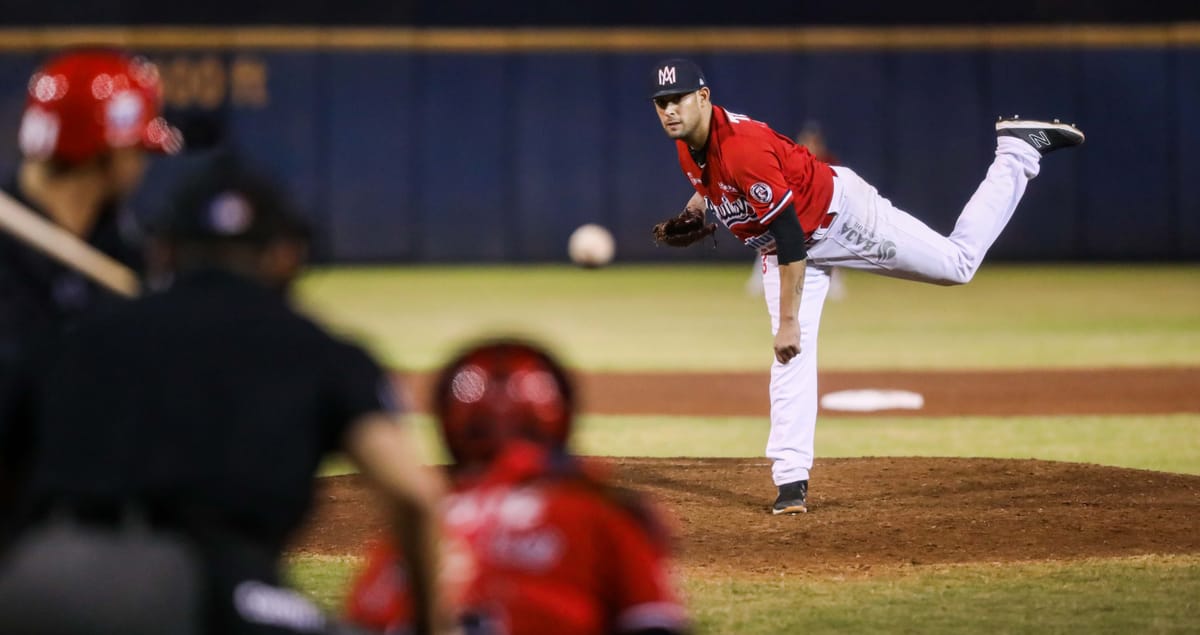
(959, 276)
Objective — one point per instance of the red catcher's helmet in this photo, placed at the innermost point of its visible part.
(83, 102)
(499, 391)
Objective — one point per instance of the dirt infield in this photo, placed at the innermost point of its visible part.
(872, 513)
(878, 513)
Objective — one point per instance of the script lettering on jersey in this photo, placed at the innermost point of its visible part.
(519, 508)
(736, 118)
(858, 236)
(534, 550)
(513, 525)
(737, 212)
(731, 212)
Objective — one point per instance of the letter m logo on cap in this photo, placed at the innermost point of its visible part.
(666, 75)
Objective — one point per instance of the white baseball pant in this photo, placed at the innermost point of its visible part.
(871, 234)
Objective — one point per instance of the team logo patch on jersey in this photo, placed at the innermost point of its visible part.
(761, 192)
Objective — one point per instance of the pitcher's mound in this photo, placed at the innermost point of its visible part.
(870, 512)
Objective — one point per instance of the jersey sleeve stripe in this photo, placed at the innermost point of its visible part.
(778, 208)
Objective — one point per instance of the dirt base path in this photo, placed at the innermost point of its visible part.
(1012, 392)
(872, 513)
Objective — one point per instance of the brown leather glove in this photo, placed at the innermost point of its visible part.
(687, 228)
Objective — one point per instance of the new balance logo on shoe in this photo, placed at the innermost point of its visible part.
(1039, 139)
(1044, 136)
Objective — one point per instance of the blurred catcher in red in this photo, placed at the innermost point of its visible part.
(534, 535)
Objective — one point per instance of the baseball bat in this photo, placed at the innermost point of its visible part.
(66, 248)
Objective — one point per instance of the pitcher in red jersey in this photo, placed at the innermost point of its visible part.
(537, 540)
(805, 217)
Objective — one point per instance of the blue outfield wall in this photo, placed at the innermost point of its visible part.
(426, 156)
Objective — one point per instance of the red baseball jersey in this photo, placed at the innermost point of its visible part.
(530, 552)
(751, 173)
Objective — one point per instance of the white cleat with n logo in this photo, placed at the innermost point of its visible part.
(1044, 136)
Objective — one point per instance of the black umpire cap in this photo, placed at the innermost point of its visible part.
(676, 76)
(227, 203)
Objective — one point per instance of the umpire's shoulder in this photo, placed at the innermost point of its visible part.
(343, 349)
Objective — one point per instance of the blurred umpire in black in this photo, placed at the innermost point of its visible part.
(176, 440)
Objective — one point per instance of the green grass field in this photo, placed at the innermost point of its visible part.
(1165, 443)
(627, 318)
(1148, 594)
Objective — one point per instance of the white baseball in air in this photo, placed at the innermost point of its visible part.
(591, 246)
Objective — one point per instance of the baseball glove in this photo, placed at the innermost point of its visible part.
(687, 228)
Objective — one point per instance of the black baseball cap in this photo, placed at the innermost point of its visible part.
(225, 202)
(676, 76)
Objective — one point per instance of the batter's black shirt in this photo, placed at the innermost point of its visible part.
(38, 299)
(39, 296)
(213, 399)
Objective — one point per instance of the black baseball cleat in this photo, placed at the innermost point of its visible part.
(1044, 136)
(793, 499)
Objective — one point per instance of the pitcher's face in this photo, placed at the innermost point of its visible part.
(681, 114)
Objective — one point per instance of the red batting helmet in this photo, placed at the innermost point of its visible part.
(83, 102)
(499, 391)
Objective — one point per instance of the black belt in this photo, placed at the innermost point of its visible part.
(112, 515)
(826, 221)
